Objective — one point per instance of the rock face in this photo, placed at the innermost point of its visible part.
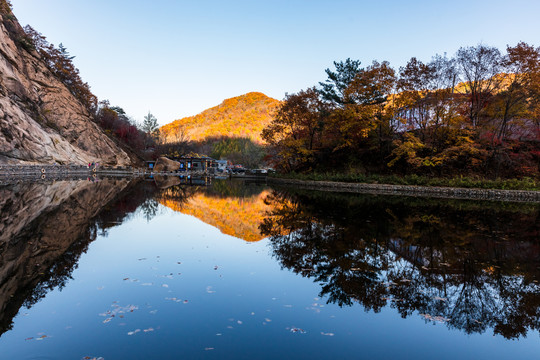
(40, 120)
(164, 165)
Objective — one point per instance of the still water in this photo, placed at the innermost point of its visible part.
(172, 269)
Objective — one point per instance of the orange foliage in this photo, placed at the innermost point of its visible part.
(238, 217)
(241, 116)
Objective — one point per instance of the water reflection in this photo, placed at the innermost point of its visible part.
(474, 266)
(44, 229)
(236, 208)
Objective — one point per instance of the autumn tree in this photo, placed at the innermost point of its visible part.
(296, 129)
(367, 112)
(479, 67)
(522, 70)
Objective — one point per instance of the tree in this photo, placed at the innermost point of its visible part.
(151, 128)
(522, 68)
(296, 130)
(150, 124)
(333, 89)
(479, 67)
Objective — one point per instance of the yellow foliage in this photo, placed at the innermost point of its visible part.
(245, 115)
(238, 217)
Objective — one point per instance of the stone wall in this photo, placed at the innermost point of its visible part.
(410, 190)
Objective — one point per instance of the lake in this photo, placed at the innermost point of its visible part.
(171, 268)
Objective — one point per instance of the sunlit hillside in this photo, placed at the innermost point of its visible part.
(238, 217)
(241, 116)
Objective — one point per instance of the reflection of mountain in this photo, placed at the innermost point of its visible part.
(45, 228)
(236, 216)
(473, 266)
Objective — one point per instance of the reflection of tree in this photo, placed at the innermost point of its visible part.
(149, 209)
(469, 266)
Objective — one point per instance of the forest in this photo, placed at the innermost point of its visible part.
(476, 114)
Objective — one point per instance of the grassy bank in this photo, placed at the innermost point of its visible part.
(458, 182)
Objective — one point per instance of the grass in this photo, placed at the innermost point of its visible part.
(461, 182)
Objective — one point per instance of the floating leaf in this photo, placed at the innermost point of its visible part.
(297, 330)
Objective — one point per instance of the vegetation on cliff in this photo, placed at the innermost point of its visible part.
(59, 65)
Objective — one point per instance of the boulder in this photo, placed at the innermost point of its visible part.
(166, 165)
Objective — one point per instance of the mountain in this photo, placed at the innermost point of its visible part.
(241, 116)
(41, 120)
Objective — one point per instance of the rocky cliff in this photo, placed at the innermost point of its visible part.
(41, 121)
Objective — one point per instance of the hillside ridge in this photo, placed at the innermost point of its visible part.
(240, 116)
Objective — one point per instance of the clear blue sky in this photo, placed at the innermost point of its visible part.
(177, 58)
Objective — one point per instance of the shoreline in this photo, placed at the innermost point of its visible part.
(413, 190)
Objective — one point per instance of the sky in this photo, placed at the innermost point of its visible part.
(177, 58)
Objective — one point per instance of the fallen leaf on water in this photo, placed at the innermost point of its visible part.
(165, 285)
(133, 332)
(216, 267)
(107, 320)
(126, 279)
(147, 284)
(41, 337)
(30, 338)
(153, 312)
(148, 330)
(185, 301)
(141, 259)
(267, 320)
(297, 330)
(440, 298)
(287, 306)
(208, 349)
(239, 322)
(327, 334)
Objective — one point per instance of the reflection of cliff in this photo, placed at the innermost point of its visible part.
(473, 266)
(43, 231)
(236, 216)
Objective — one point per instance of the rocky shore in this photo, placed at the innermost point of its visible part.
(410, 190)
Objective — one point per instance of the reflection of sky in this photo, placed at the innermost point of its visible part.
(248, 299)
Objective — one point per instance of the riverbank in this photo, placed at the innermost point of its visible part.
(413, 190)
